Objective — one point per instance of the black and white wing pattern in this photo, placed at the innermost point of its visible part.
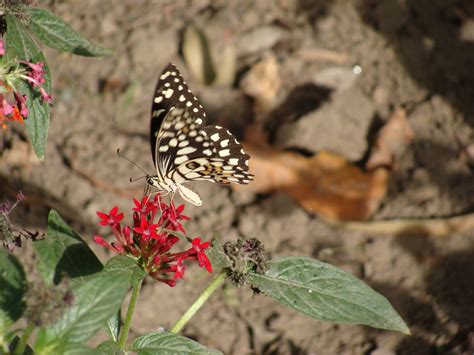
(183, 148)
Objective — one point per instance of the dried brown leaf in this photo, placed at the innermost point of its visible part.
(390, 141)
(325, 184)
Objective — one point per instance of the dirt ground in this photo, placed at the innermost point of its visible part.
(417, 54)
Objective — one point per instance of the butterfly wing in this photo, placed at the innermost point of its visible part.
(184, 149)
(188, 152)
(171, 92)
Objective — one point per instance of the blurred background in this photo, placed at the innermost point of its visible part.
(359, 118)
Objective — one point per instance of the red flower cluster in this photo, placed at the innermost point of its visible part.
(12, 102)
(155, 230)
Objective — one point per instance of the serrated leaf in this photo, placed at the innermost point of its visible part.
(94, 303)
(324, 292)
(12, 286)
(64, 253)
(168, 343)
(20, 46)
(57, 34)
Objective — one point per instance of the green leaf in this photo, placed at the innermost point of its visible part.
(12, 347)
(324, 292)
(57, 34)
(109, 347)
(78, 349)
(37, 123)
(168, 343)
(123, 263)
(5, 324)
(217, 256)
(64, 253)
(12, 286)
(114, 325)
(94, 303)
(19, 45)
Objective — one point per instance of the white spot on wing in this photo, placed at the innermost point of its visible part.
(215, 137)
(165, 75)
(173, 142)
(168, 93)
(181, 159)
(186, 150)
(224, 153)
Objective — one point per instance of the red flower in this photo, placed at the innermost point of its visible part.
(173, 215)
(150, 243)
(112, 219)
(178, 269)
(201, 256)
(146, 230)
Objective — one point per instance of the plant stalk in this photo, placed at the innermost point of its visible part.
(21, 346)
(128, 319)
(213, 285)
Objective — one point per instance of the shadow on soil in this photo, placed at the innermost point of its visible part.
(434, 43)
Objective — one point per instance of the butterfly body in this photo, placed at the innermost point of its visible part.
(186, 150)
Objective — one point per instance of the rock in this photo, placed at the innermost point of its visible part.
(340, 126)
(260, 39)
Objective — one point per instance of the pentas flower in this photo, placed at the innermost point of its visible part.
(12, 103)
(155, 231)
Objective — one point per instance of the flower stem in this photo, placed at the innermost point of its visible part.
(128, 320)
(214, 285)
(21, 346)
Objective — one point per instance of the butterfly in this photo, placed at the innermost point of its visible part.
(184, 149)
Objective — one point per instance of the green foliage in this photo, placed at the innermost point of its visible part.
(122, 263)
(324, 292)
(94, 303)
(13, 287)
(23, 26)
(19, 45)
(168, 343)
(57, 34)
(217, 257)
(109, 347)
(63, 253)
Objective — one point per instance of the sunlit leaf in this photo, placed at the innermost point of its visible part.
(326, 293)
(169, 343)
(57, 34)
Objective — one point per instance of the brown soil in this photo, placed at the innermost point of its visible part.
(414, 53)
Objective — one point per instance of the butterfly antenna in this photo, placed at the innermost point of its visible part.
(133, 163)
(138, 178)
